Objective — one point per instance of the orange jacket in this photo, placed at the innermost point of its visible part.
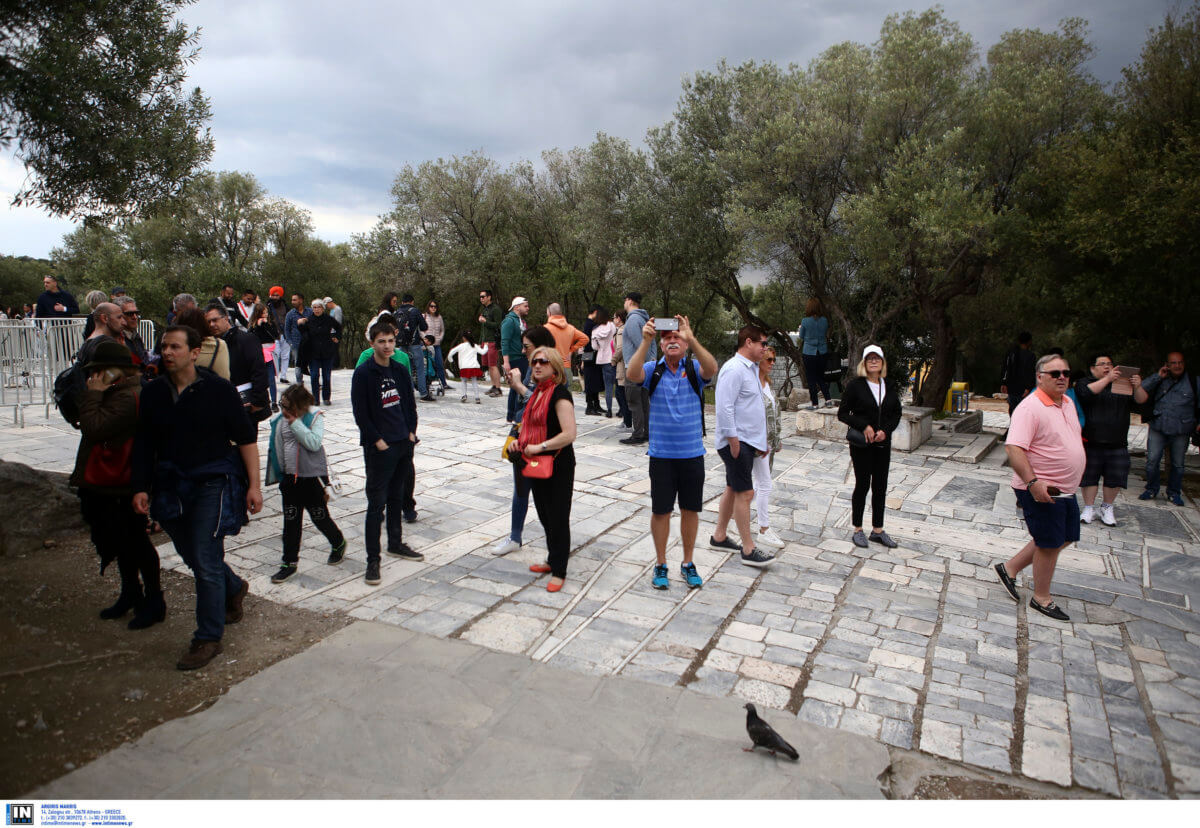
(567, 338)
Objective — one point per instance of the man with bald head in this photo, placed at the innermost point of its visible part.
(109, 325)
(567, 338)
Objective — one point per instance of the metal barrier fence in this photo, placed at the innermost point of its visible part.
(35, 351)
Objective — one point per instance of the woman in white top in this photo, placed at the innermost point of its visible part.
(602, 344)
(467, 353)
(764, 465)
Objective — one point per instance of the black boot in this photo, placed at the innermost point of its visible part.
(128, 599)
(150, 611)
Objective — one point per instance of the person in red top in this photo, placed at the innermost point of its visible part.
(1045, 451)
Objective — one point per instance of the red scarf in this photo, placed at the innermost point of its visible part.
(533, 421)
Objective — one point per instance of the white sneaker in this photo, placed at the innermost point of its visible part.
(505, 546)
(1087, 515)
(768, 538)
(1106, 515)
(830, 403)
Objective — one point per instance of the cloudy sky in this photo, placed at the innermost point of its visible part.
(325, 102)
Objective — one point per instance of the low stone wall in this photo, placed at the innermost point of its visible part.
(916, 426)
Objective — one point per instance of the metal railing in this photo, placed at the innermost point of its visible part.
(35, 351)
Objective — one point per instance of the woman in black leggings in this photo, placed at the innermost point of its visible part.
(871, 408)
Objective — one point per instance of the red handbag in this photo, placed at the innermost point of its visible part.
(109, 465)
(539, 467)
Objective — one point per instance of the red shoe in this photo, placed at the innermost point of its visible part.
(553, 587)
(540, 569)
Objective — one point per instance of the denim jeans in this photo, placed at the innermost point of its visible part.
(520, 363)
(520, 504)
(1156, 442)
(438, 366)
(609, 373)
(283, 357)
(204, 552)
(320, 371)
(416, 354)
(386, 474)
(622, 408)
(271, 376)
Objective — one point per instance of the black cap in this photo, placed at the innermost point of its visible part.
(110, 355)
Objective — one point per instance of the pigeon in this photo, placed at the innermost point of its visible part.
(763, 735)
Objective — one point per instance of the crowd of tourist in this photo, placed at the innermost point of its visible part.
(169, 433)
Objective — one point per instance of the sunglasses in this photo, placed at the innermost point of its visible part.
(131, 313)
(769, 359)
(539, 361)
(1055, 374)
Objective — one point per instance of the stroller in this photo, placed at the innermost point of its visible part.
(432, 381)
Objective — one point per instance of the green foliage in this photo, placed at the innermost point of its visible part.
(92, 95)
(21, 279)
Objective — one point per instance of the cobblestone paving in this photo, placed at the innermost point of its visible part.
(918, 647)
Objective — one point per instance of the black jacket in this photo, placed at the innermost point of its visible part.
(321, 330)
(246, 365)
(859, 409)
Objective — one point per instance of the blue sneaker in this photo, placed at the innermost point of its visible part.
(659, 581)
(1176, 499)
(688, 570)
(1147, 495)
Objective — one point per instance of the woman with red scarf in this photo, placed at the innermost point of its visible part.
(547, 432)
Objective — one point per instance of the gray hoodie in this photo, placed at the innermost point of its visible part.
(634, 323)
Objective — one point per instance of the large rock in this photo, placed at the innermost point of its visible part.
(916, 426)
(38, 506)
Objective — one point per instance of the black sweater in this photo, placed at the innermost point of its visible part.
(859, 409)
(382, 399)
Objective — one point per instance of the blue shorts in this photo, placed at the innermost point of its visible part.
(1051, 524)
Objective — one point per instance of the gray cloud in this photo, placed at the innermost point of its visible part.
(325, 103)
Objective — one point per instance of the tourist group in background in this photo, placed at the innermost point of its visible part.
(169, 433)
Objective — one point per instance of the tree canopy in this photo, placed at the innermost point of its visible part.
(92, 96)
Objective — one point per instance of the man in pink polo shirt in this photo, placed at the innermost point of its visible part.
(1045, 450)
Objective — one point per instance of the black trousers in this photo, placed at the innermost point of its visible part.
(870, 472)
(300, 494)
(552, 498)
(118, 532)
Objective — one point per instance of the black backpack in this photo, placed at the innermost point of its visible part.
(693, 377)
(68, 390)
(407, 325)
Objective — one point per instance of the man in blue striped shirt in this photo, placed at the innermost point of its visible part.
(676, 418)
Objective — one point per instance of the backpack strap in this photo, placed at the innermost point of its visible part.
(691, 370)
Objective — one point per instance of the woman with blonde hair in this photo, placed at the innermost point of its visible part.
(871, 410)
(548, 458)
(814, 332)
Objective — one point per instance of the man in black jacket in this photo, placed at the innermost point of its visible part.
(1017, 378)
(195, 453)
(410, 325)
(381, 395)
(247, 370)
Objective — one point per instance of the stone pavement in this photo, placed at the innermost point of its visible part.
(917, 648)
(429, 717)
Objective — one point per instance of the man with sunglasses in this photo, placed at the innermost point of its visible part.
(490, 319)
(1173, 415)
(741, 436)
(131, 339)
(1045, 450)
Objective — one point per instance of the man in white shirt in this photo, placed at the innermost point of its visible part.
(741, 436)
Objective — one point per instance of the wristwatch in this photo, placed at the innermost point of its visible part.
(1032, 480)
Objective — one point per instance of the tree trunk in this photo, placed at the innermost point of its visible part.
(933, 390)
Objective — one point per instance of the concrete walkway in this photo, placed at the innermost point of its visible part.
(917, 648)
(376, 711)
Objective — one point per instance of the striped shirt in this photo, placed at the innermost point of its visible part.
(674, 424)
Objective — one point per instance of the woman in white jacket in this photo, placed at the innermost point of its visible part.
(602, 344)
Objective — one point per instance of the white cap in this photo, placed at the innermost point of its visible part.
(872, 349)
(317, 302)
(517, 300)
(327, 299)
